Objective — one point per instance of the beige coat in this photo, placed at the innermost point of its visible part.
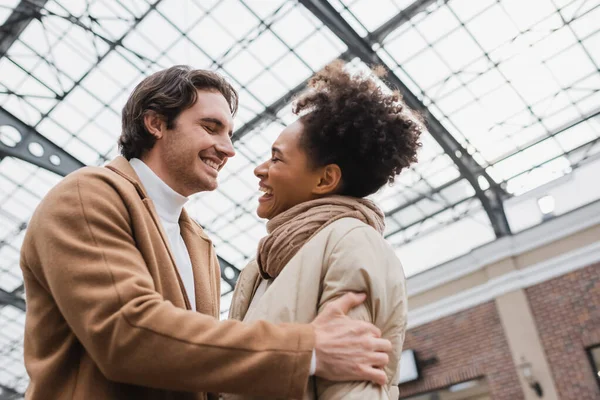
(108, 316)
(348, 255)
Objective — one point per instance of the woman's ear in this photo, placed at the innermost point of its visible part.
(329, 180)
(155, 124)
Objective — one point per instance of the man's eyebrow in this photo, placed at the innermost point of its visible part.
(213, 120)
(217, 122)
(275, 150)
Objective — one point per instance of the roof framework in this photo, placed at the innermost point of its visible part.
(509, 90)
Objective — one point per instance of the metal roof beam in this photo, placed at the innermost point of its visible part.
(7, 298)
(423, 196)
(25, 12)
(379, 34)
(53, 157)
(224, 264)
(491, 199)
(8, 393)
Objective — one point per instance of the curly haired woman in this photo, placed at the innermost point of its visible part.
(324, 238)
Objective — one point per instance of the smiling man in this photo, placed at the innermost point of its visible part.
(122, 287)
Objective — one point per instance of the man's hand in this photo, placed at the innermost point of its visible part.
(347, 349)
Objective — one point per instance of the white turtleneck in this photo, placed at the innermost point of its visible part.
(169, 204)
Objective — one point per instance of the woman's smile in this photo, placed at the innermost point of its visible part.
(268, 193)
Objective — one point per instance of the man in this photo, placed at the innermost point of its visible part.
(122, 286)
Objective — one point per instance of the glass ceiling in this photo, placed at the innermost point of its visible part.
(516, 85)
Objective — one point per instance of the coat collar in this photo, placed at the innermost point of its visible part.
(203, 265)
(121, 166)
(245, 288)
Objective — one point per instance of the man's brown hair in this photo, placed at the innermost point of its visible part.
(168, 93)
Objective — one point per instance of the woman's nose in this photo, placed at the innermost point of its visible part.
(260, 171)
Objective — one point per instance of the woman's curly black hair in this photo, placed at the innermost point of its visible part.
(349, 121)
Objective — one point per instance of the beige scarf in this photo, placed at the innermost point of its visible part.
(291, 229)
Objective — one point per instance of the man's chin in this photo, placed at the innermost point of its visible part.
(204, 186)
(211, 187)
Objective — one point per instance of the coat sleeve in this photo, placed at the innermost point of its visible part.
(360, 262)
(82, 251)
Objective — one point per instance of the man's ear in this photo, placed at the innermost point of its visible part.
(155, 124)
(330, 180)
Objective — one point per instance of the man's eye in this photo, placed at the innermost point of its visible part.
(274, 159)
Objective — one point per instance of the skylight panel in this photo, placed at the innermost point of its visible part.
(212, 38)
(240, 20)
(437, 25)
(215, 202)
(457, 49)
(244, 67)
(320, 49)
(267, 48)
(492, 28)
(291, 69)
(12, 371)
(427, 68)
(571, 65)
(372, 13)
(293, 26)
(184, 13)
(267, 88)
(405, 46)
(586, 23)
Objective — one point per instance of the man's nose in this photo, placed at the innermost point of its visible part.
(225, 146)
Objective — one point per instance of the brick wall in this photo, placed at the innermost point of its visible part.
(567, 314)
(468, 344)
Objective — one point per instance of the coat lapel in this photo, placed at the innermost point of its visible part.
(204, 266)
(121, 166)
(246, 286)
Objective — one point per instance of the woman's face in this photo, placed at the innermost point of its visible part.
(287, 178)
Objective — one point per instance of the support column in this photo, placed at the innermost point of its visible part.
(524, 342)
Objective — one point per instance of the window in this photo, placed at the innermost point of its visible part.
(594, 355)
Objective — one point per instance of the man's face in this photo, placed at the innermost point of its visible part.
(198, 146)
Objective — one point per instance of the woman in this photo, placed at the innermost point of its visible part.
(324, 238)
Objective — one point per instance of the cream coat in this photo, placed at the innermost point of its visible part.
(346, 256)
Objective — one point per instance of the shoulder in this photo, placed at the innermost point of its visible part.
(351, 231)
(360, 244)
(88, 195)
(94, 186)
(86, 178)
(341, 228)
(250, 273)
(244, 290)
